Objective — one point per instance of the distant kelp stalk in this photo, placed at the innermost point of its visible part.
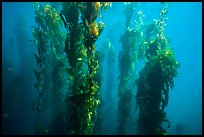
(107, 53)
(127, 58)
(155, 78)
(50, 71)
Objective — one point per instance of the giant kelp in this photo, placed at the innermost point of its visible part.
(68, 85)
(155, 78)
(98, 78)
(50, 71)
(126, 60)
(106, 53)
(41, 43)
(110, 57)
(80, 46)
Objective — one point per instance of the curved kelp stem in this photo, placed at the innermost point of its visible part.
(155, 79)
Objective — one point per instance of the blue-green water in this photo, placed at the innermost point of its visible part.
(184, 28)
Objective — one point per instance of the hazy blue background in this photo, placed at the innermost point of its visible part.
(184, 27)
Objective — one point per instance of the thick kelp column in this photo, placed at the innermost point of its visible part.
(106, 53)
(77, 58)
(90, 11)
(126, 59)
(50, 70)
(110, 57)
(43, 47)
(155, 79)
(84, 66)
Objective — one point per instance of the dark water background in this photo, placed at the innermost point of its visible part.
(184, 109)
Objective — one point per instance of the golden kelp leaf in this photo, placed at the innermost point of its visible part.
(93, 29)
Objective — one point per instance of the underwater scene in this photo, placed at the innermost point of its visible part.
(101, 68)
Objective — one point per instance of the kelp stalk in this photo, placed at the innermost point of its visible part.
(126, 59)
(155, 79)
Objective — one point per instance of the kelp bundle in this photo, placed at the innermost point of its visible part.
(77, 58)
(98, 78)
(155, 78)
(106, 53)
(50, 71)
(84, 66)
(110, 58)
(127, 58)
